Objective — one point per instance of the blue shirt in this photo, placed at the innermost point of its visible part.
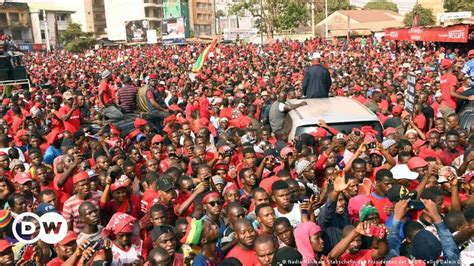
(468, 70)
(50, 154)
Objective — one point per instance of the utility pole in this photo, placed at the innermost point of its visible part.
(326, 19)
(312, 19)
(46, 33)
(261, 21)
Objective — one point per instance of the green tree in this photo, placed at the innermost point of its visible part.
(277, 14)
(458, 5)
(75, 40)
(426, 17)
(381, 5)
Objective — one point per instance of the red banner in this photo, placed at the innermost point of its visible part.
(459, 33)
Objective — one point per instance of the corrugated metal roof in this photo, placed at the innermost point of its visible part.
(365, 16)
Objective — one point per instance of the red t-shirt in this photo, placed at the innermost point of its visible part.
(446, 82)
(130, 207)
(74, 122)
(182, 197)
(246, 257)
(149, 198)
(68, 187)
(447, 158)
(107, 96)
(55, 262)
(380, 203)
(362, 257)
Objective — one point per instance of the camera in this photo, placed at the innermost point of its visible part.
(371, 146)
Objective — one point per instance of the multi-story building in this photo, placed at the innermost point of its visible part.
(49, 21)
(119, 11)
(15, 21)
(225, 20)
(202, 17)
(90, 14)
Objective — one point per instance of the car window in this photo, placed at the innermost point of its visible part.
(345, 128)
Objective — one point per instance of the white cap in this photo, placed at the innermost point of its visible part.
(401, 171)
(315, 55)
(438, 94)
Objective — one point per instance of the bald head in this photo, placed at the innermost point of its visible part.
(241, 224)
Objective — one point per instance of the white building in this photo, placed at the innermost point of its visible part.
(405, 6)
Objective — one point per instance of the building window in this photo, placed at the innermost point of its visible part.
(3, 18)
(61, 17)
(41, 17)
(16, 35)
(43, 35)
(14, 17)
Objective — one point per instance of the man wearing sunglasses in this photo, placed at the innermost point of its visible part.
(212, 205)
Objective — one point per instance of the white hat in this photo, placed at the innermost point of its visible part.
(315, 55)
(438, 94)
(301, 165)
(401, 171)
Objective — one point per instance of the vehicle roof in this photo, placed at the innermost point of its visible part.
(331, 110)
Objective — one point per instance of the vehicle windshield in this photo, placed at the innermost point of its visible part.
(345, 128)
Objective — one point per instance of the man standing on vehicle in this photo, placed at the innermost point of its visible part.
(106, 98)
(279, 109)
(317, 80)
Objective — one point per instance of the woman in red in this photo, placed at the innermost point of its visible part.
(122, 200)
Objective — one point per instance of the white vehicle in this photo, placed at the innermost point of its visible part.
(341, 113)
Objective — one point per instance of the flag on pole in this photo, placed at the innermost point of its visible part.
(416, 19)
(203, 57)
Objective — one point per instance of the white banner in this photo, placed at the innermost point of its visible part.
(455, 15)
(151, 36)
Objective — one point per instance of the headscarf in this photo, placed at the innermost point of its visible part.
(303, 233)
(119, 223)
(367, 210)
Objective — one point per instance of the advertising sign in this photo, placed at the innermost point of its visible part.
(136, 30)
(458, 33)
(173, 31)
(410, 94)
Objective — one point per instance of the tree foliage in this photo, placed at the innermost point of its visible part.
(381, 5)
(458, 5)
(75, 40)
(277, 14)
(425, 15)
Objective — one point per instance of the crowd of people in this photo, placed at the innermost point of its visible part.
(208, 175)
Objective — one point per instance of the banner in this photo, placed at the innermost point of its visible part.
(241, 34)
(458, 34)
(173, 31)
(151, 36)
(28, 47)
(136, 30)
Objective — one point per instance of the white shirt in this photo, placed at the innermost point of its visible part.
(120, 256)
(294, 216)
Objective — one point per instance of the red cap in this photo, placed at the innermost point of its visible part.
(446, 63)
(116, 185)
(139, 122)
(153, 76)
(374, 151)
(397, 110)
(21, 178)
(319, 133)
(4, 244)
(470, 53)
(80, 176)
(389, 130)
(416, 162)
(157, 138)
(224, 148)
(286, 150)
(114, 130)
(70, 236)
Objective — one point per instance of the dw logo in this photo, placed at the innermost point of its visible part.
(52, 228)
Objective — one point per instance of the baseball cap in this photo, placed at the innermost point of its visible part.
(83, 175)
(117, 184)
(397, 109)
(70, 236)
(316, 55)
(286, 150)
(446, 63)
(4, 244)
(45, 208)
(470, 53)
(105, 74)
(401, 171)
(140, 137)
(164, 184)
(67, 95)
(398, 192)
(416, 162)
(157, 138)
(21, 178)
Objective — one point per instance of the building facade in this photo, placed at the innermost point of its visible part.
(15, 21)
(202, 17)
(176, 9)
(49, 24)
(90, 14)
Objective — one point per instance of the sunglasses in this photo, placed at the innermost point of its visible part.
(215, 203)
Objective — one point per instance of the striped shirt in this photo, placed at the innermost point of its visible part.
(128, 98)
(71, 210)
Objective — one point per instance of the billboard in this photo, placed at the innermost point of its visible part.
(241, 34)
(136, 30)
(173, 31)
(457, 33)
